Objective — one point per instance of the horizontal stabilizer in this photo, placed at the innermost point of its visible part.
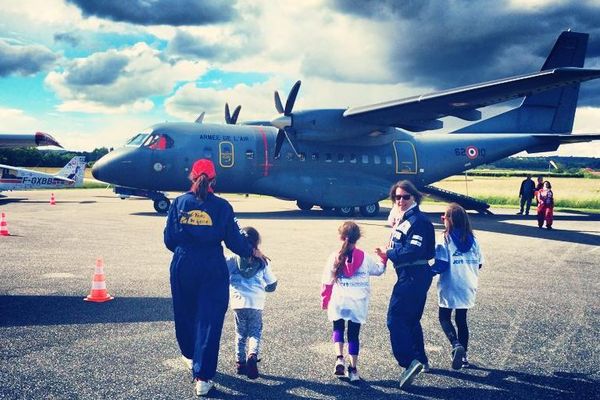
(469, 203)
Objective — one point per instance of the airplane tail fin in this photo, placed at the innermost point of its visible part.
(551, 111)
(74, 170)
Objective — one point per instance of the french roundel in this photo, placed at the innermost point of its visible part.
(472, 152)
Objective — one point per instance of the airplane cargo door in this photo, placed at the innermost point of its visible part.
(406, 157)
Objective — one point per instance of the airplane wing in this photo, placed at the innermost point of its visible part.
(564, 139)
(27, 140)
(421, 113)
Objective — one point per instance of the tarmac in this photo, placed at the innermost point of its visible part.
(535, 329)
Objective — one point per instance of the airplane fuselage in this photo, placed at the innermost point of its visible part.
(330, 174)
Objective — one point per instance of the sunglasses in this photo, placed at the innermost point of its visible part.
(402, 196)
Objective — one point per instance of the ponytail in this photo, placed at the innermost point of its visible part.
(349, 233)
(200, 187)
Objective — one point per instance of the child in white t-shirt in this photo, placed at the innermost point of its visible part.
(457, 286)
(249, 279)
(345, 295)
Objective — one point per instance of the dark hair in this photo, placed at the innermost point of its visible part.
(407, 186)
(252, 235)
(549, 184)
(458, 221)
(200, 186)
(350, 232)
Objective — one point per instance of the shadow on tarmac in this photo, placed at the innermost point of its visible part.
(498, 385)
(69, 310)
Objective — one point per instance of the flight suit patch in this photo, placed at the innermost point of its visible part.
(195, 217)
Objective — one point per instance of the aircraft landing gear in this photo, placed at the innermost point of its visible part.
(161, 205)
(304, 206)
(370, 210)
(345, 211)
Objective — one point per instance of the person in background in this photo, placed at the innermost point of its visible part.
(197, 223)
(526, 194)
(538, 186)
(411, 248)
(545, 207)
(457, 286)
(345, 295)
(249, 280)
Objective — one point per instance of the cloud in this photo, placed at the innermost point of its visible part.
(185, 44)
(24, 59)
(434, 44)
(159, 12)
(98, 69)
(70, 38)
(119, 80)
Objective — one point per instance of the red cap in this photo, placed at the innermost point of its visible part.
(203, 166)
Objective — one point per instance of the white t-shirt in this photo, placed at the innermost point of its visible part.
(248, 292)
(457, 287)
(350, 296)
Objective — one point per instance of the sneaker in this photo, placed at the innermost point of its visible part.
(203, 387)
(458, 352)
(252, 367)
(426, 367)
(187, 361)
(410, 373)
(352, 374)
(240, 368)
(340, 367)
(465, 362)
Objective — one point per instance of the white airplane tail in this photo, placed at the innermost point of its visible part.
(74, 170)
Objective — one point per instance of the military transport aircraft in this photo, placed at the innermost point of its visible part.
(15, 178)
(346, 158)
(27, 140)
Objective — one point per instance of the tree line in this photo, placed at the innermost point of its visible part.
(32, 157)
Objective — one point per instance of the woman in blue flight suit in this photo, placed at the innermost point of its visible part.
(412, 245)
(197, 223)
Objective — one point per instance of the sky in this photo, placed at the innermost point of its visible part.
(93, 73)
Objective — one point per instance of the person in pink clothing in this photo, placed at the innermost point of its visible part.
(345, 295)
(545, 207)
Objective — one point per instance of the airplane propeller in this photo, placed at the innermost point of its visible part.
(231, 119)
(284, 123)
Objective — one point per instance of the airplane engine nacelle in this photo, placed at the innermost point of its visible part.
(328, 125)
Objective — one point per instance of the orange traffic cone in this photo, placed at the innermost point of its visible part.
(4, 226)
(52, 200)
(98, 294)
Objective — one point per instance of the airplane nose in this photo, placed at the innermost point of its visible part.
(98, 167)
(109, 168)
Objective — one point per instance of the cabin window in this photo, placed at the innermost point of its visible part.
(315, 156)
(353, 158)
(249, 155)
(327, 157)
(340, 158)
(365, 159)
(388, 160)
(376, 160)
(207, 153)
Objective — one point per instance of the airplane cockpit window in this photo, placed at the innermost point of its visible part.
(365, 159)
(377, 159)
(158, 141)
(9, 173)
(340, 158)
(353, 158)
(315, 156)
(137, 139)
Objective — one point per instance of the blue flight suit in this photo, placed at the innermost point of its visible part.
(412, 245)
(199, 274)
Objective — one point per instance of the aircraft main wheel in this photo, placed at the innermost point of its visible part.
(345, 211)
(304, 206)
(162, 205)
(370, 210)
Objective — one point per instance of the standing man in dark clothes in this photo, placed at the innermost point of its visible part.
(526, 193)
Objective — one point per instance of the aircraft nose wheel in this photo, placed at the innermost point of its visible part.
(161, 205)
(370, 210)
(345, 211)
(304, 206)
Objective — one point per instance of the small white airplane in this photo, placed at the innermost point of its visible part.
(15, 178)
(27, 140)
